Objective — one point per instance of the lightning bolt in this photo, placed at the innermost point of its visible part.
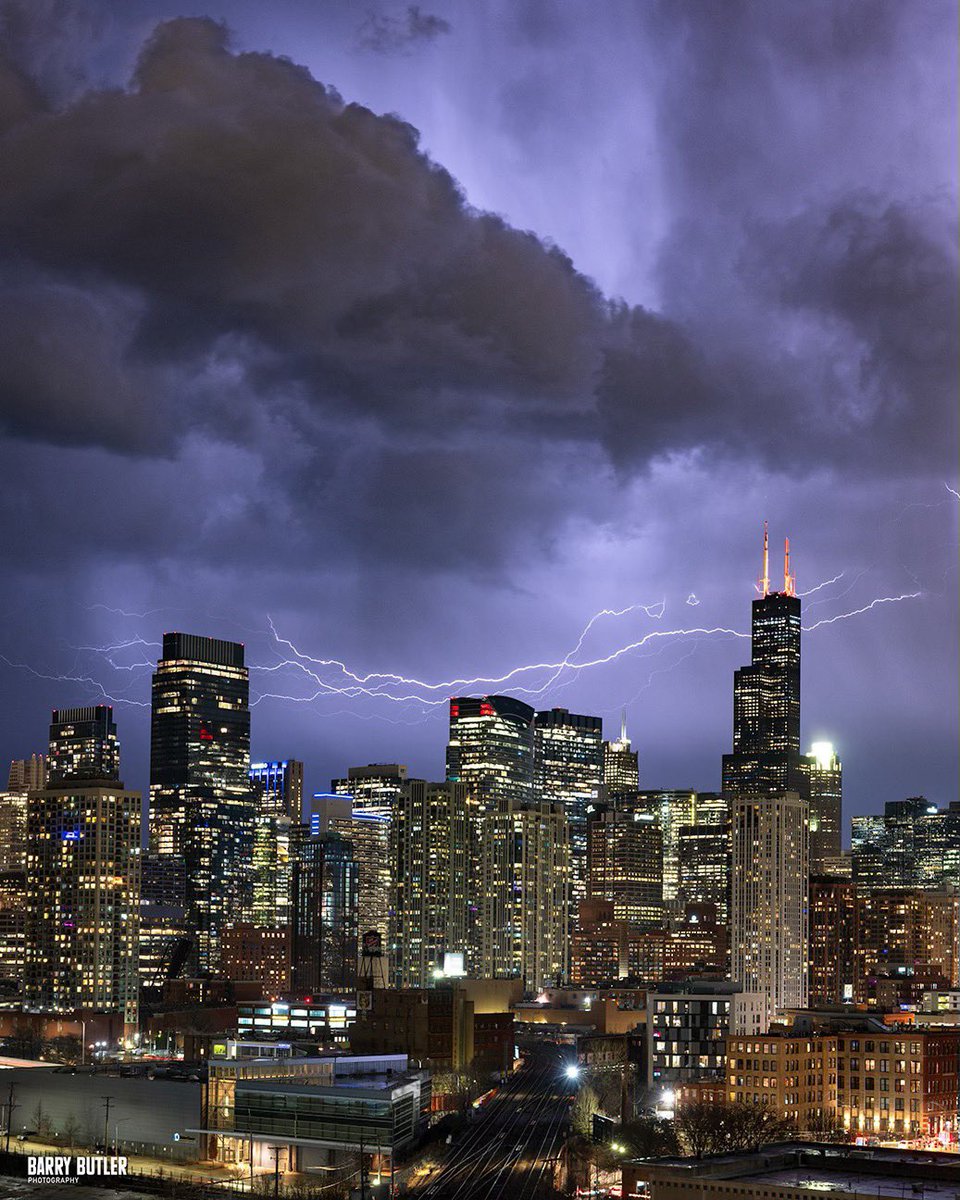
(692, 600)
(87, 680)
(952, 491)
(826, 583)
(857, 611)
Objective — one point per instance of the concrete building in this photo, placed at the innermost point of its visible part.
(249, 951)
(268, 1111)
(833, 940)
(525, 866)
(625, 865)
(82, 899)
(687, 1026)
(430, 855)
(908, 931)
(769, 927)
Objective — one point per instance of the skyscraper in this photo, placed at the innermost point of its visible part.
(568, 770)
(625, 865)
(525, 865)
(275, 839)
(766, 696)
(83, 875)
(621, 766)
(201, 798)
(833, 940)
(83, 745)
(374, 788)
(769, 895)
(280, 787)
(430, 857)
(491, 748)
(673, 809)
(26, 775)
(825, 788)
(324, 950)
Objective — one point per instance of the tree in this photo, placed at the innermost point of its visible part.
(584, 1106)
(71, 1130)
(705, 1128)
(649, 1137)
(65, 1049)
(827, 1127)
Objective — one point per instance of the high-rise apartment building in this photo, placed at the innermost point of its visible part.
(766, 697)
(833, 940)
(201, 798)
(491, 749)
(324, 941)
(165, 943)
(621, 766)
(703, 866)
(905, 931)
(13, 888)
(625, 865)
(525, 864)
(825, 789)
(672, 810)
(431, 859)
(568, 770)
(369, 833)
(83, 745)
(769, 896)
(83, 876)
(26, 775)
(278, 788)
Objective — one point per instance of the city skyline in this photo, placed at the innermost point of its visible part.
(756, 320)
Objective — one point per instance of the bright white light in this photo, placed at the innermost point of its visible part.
(823, 753)
(572, 1071)
(668, 1098)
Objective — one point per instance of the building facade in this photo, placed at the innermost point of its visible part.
(769, 927)
(83, 745)
(201, 799)
(431, 859)
(824, 774)
(621, 767)
(625, 865)
(673, 810)
(568, 770)
(525, 868)
(324, 916)
(278, 788)
(833, 940)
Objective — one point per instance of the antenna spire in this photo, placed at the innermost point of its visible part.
(623, 725)
(789, 581)
(763, 583)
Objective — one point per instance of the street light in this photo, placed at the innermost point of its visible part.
(572, 1071)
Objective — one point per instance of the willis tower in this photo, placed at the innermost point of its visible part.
(766, 696)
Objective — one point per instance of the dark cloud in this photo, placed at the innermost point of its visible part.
(233, 199)
(383, 34)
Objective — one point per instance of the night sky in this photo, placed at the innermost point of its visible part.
(427, 333)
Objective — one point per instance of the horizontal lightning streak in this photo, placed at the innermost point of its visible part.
(826, 583)
(857, 611)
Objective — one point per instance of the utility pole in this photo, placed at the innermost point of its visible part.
(10, 1107)
(276, 1171)
(107, 1101)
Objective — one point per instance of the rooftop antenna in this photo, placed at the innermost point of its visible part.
(623, 724)
(789, 581)
(763, 583)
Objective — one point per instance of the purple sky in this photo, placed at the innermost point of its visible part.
(266, 350)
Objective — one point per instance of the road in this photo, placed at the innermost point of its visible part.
(512, 1149)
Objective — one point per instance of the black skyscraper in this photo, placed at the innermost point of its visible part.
(201, 797)
(83, 746)
(766, 697)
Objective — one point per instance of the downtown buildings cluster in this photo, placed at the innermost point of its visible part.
(539, 859)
